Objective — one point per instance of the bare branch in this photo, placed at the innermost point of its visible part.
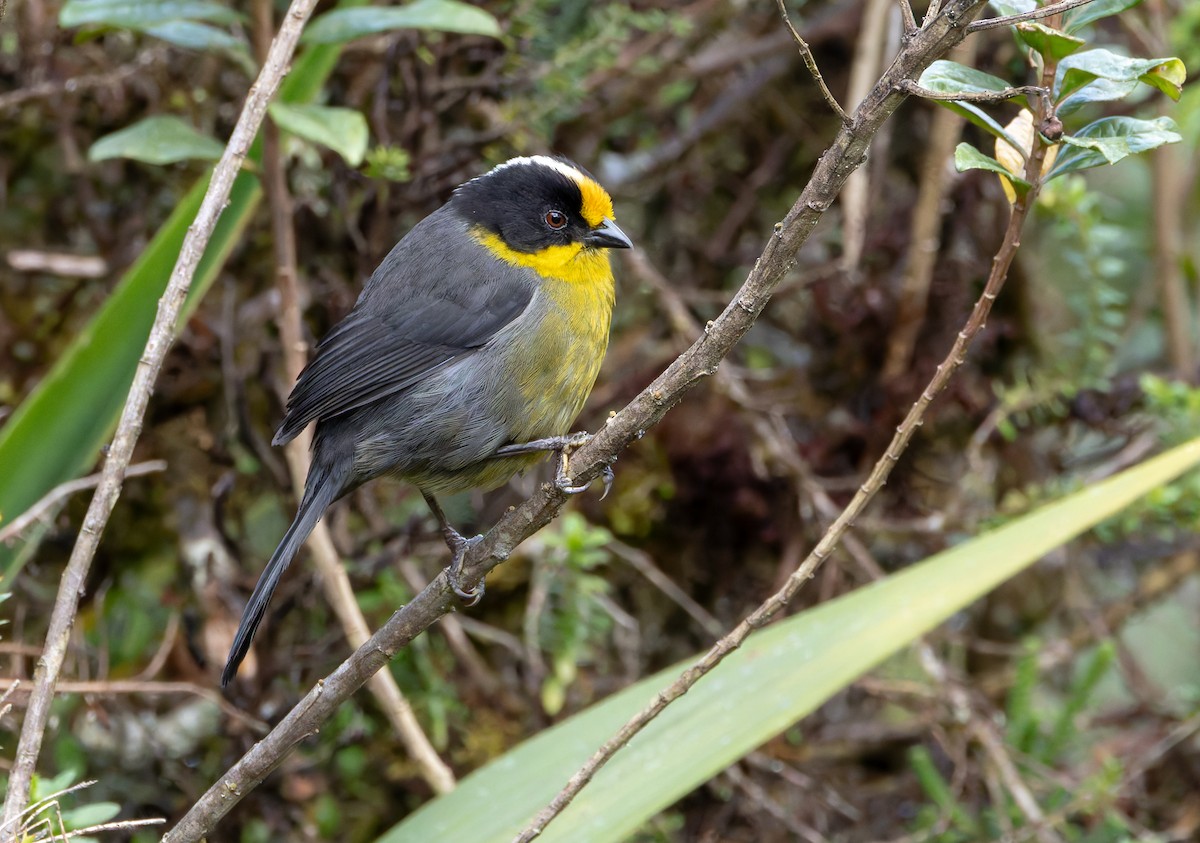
(984, 97)
(129, 427)
(61, 492)
(1035, 14)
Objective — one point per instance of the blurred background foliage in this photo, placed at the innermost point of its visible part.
(701, 119)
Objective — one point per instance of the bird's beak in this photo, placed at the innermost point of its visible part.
(608, 236)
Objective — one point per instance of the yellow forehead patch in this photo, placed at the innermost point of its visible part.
(597, 204)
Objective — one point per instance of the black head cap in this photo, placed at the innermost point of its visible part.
(535, 202)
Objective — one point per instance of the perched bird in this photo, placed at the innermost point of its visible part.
(469, 353)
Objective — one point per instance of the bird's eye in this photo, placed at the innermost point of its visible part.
(556, 219)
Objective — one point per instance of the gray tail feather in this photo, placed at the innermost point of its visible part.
(321, 489)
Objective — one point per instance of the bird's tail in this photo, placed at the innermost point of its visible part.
(321, 489)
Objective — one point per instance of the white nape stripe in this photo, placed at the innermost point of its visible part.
(544, 161)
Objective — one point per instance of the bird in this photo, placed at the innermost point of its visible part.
(467, 356)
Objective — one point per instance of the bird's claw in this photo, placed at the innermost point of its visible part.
(562, 479)
(472, 596)
(562, 446)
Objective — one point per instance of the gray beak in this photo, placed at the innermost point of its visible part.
(608, 236)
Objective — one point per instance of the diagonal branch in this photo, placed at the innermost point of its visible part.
(129, 427)
(846, 153)
(1034, 14)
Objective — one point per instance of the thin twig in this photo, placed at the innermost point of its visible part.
(111, 687)
(643, 563)
(334, 580)
(985, 97)
(811, 64)
(40, 510)
(906, 15)
(698, 362)
(1035, 14)
(129, 427)
(78, 84)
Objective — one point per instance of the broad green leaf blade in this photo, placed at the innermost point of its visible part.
(782, 673)
(967, 157)
(139, 14)
(1046, 41)
(1076, 71)
(157, 140)
(949, 77)
(342, 25)
(56, 432)
(1109, 139)
(1098, 90)
(196, 36)
(1076, 19)
(343, 130)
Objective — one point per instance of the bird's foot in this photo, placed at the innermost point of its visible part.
(459, 545)
(562, 446)
(557, 444)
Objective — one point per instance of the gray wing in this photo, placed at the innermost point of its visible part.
(383, 347)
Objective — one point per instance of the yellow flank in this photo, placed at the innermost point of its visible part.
(571, 263)
(597, 205)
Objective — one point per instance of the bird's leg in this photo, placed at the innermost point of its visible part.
(458, 545)
(562, 446)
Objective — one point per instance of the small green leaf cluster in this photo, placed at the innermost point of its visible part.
(571, 45)
(1081, 77)
(192, 24)
(1039, 735)
(574, 619)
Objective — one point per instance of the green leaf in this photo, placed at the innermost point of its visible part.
(93, 813)
(1047, 42)
(1109, 139)
(343, 130)
(1165, 74)
(157, 140)
(196, 36)
(342, 25)
(781, 674)
(1078, 18)
(967, 157)
(139, 14)
(949, 77)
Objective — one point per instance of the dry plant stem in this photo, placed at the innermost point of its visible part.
(985, 97)
(1035, 14)
(906, 15)
(63, 491)
(113, 687)
(699, 361)
(79, 84)
(811, 63)
(129, 427)
(1171, 192)
(334, 580)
